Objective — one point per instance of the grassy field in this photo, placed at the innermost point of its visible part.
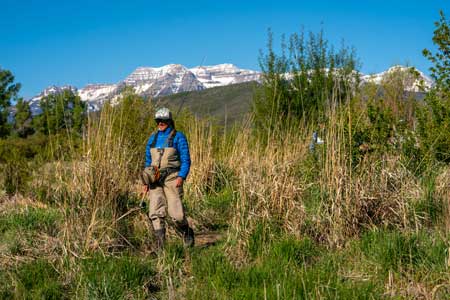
(283, 222)
(381, 263)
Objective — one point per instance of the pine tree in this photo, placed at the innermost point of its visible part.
(61, 111)
(22, 119)
(8, 91)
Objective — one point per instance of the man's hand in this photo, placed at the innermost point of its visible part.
(179, 182)
(145, 189)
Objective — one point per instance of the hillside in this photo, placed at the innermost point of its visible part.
(225, 104)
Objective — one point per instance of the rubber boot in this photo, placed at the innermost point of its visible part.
(160, 235)
(188, 235)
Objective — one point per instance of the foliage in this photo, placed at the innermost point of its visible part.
(61, 111)
(8, 91)
(440, 72)
(303, 83)
(434, 117)
(135, 121)
(22, 119)
(383, 118)
(17, 159)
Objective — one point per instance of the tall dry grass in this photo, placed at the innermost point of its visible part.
(95, 186)
(267, 189)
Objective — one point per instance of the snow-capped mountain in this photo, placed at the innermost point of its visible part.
(224, 74)
(154, 82)
(166, 80)
(412, 79)
(97, 91)
(176, 78)
(97, 94)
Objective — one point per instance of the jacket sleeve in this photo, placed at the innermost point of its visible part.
(185, 157)
(148, 156)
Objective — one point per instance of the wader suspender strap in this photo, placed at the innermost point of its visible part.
(153, 144)
(169, 143)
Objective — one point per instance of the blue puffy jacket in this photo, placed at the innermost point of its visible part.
(179, 142)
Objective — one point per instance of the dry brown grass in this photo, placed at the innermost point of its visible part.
(92, 188)
(443, 193)
(266, 189)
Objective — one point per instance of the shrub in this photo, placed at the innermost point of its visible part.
(434, 117)
(17, 161)
(301, 85)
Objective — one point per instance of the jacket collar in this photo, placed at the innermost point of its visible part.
(166, 131)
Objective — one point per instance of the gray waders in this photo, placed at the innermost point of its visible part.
(164, 195)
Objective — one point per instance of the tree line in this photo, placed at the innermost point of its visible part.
(59, 111)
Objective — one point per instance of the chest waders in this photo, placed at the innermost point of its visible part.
(165, 194)
(166, 159)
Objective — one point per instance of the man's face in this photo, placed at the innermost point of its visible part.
(162, 125)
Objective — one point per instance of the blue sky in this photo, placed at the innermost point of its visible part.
(80, 42)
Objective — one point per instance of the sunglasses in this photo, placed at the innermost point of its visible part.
(161, 121)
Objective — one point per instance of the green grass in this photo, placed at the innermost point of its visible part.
(287, 269)
(115, 277)
(279, 266)
(214, 211)
(98, 277)
(429, 207)
(418, 253)
(30, 219)
(283, 267)
(33, 280)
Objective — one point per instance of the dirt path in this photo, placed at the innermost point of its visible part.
(205, 239)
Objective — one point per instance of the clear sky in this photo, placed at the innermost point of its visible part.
(78, 42)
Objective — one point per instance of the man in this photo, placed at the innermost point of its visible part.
(167, 153)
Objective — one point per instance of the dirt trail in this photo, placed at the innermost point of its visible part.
(205, 239)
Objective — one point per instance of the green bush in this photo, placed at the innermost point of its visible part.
(18, 157)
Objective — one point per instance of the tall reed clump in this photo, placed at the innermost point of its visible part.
(267, 190)
(442, 193)
(99, 183)
(376, 190)
(200, 135)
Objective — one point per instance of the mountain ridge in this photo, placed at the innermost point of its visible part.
(175, 78)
